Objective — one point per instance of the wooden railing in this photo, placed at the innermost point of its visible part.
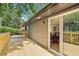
(71, 37)
(4, 40)
(24, 33)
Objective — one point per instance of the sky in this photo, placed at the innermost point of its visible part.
(38, 7)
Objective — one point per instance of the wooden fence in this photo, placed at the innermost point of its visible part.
(24, 33)
(71, 37)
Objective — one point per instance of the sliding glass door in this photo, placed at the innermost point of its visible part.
(64, 33)
(54, 34)
(71, 33)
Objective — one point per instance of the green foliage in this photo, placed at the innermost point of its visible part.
(9, 29)
(11, 13)
(71, 22)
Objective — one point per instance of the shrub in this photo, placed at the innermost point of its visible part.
(9, 29)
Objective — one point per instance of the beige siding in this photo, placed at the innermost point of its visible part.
(39, 32)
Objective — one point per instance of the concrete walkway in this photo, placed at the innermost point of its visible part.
(27, 48)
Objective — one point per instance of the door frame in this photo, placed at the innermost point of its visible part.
(60, 36)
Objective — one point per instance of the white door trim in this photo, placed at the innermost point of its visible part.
(61, 45)
(61, 35)
(48, 33)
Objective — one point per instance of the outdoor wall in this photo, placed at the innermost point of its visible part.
(38, 31)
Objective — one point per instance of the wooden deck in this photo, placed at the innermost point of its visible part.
(71, 49)
(26, 47)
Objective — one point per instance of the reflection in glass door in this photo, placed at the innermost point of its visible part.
(54, 34)
(71, 33)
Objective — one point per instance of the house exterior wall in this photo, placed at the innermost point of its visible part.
(39, 32)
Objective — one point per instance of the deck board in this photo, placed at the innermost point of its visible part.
(27, 48)
(71, 49)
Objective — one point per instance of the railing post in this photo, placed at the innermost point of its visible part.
(71, 38)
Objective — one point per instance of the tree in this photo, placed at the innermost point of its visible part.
(71, 22)
(10, 14)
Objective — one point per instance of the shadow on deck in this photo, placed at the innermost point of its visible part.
(25, 47)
